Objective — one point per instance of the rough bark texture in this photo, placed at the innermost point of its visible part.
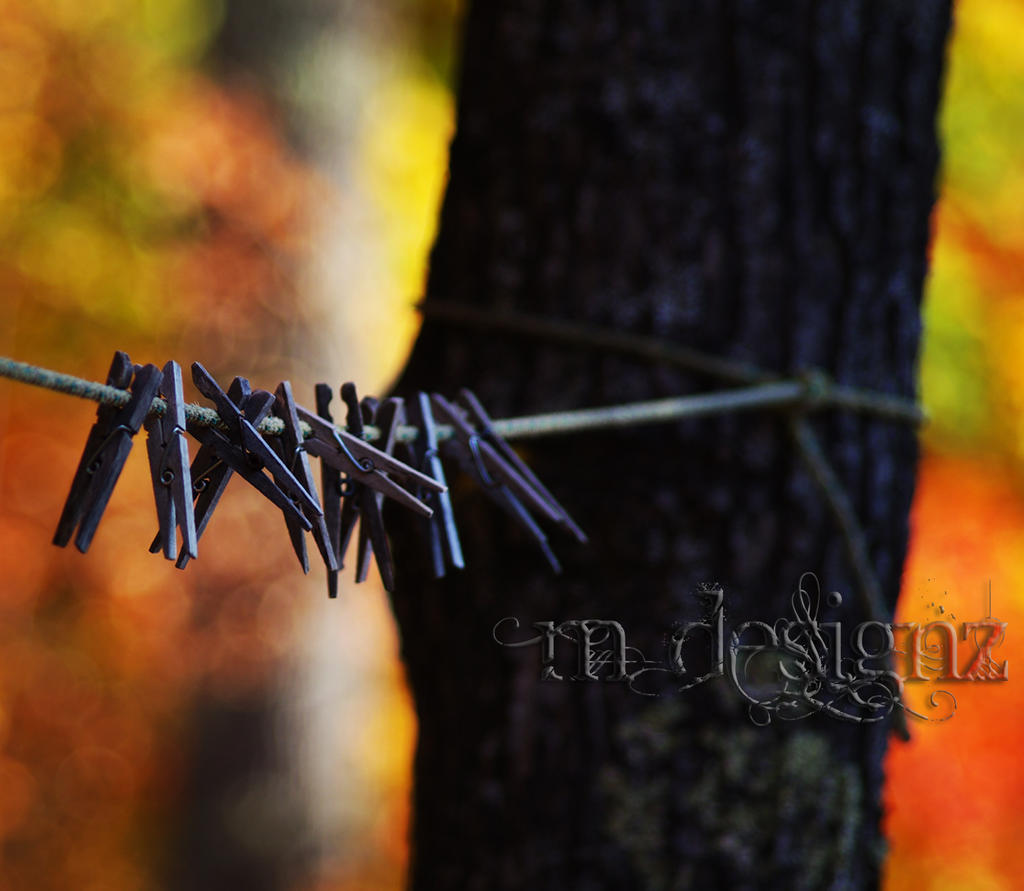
(754, 179)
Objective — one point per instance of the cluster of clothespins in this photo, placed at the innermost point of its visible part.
(356, 476)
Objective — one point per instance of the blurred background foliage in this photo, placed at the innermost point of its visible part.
(953, 791)
(254, 185)
(212, 181)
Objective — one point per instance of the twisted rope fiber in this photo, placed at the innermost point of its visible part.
(809, 392)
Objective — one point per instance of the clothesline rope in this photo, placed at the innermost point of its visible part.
(657, 352)
(808, 392)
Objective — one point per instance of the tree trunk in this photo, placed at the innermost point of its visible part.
(751, 179)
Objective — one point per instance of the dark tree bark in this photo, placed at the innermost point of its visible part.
(753, 179)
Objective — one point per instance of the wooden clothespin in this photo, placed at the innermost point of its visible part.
(483, 421)
(359, 504)
(440, 530)
(169, 470)
(500, 481)
(290, 448)
(243, 433)
(369, 502)
(345, 452)
(209, 474)
(106, 450)
(362, 463)
(240, 449)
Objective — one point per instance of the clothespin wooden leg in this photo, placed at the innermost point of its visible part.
(330, 484)
(293, 454)
(209, 475)
(169, 469)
